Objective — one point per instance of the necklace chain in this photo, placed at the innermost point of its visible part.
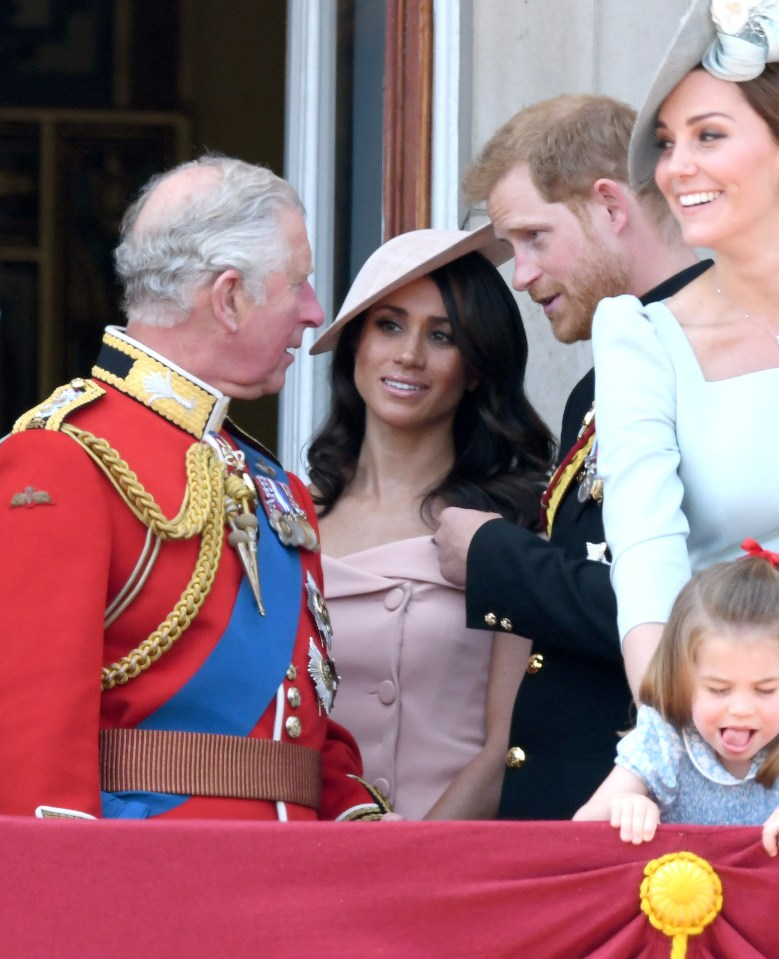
(748, 316)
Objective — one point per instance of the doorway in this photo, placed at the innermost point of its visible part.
(95, 96)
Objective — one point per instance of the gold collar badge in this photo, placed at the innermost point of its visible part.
(174, 394)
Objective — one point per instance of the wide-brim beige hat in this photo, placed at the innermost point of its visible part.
(405, 258)
(695, 34)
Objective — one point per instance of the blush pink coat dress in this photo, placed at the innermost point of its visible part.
(413, 678)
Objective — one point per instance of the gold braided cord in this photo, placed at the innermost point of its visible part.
(205, 479)
(202, 513)
(182, 614)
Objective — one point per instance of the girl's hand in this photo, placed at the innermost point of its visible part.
(637, 817)
(770, 833)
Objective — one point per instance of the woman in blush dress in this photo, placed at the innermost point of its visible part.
(686, 389)
(429, 410)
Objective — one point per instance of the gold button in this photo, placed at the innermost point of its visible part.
(535, 663)
(292, 674)
(506, 624)
(490, 619)
(515, 757)
(293, 727)
(293, 696)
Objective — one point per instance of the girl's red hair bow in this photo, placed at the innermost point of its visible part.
(752, 548)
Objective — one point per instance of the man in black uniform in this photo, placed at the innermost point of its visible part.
(556, 184)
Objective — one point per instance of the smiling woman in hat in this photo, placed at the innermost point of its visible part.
(686, 389)
(429, 410)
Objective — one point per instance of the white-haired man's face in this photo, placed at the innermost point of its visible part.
(269, 330)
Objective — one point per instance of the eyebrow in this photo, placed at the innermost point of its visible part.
(713, 678)
(522, 226)
(696, 119)
(399, 311)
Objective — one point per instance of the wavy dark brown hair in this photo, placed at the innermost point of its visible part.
(503, 450)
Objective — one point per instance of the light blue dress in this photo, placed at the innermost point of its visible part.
(690, 467)
(687, 780)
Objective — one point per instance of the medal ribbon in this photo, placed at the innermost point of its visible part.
(564, 476)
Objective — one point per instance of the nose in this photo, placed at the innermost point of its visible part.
(411, 349)
(311, 313)
(740, 705)
(526, 272)
(679, 161)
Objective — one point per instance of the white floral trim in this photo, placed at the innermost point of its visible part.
(731, 16)
(747, 39)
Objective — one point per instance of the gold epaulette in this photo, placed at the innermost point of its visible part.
(52, 412)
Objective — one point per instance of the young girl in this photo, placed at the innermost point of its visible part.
(706, 744)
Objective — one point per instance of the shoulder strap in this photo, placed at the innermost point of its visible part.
(52, 412)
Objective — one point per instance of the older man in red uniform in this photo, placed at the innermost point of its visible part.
(166, 648)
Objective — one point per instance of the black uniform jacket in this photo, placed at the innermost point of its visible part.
(568, 713)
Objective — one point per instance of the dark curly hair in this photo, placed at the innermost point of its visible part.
(502, 448)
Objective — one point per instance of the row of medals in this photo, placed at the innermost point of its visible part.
(590, 484)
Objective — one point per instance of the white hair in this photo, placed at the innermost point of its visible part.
(232, 223)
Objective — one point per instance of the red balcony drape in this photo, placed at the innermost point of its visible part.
(109, 890)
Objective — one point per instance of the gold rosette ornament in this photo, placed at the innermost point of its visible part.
(680, 895)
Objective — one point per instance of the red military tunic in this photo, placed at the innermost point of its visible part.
(72, 550)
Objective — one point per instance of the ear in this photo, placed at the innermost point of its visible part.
(612, 198)
(228, 298)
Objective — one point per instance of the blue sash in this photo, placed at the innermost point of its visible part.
(239, 679)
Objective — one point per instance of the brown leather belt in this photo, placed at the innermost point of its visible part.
(206, 764)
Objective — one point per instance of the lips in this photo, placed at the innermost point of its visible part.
(688, 200)
(547, 303)
(403, 386)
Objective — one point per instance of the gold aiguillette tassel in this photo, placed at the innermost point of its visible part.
(244, 528)
(240, 501)
(243, 538)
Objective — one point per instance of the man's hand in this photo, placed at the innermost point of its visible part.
(456, 529)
